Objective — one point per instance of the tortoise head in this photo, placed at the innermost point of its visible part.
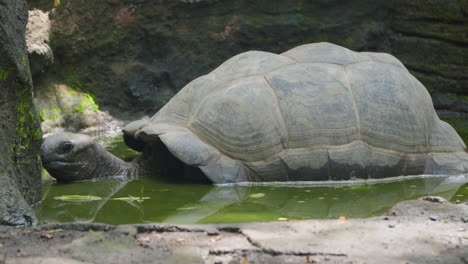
(68, 156)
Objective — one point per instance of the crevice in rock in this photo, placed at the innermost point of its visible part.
(77, 227)
(268, 251)
(436, 21)
(167, 228)
(275, 253)
(432, 73)
(294, 253)
(460, 44)
(230, 229)
(237, 230)
(235, 251)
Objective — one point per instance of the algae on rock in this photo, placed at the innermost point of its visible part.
(63, 106)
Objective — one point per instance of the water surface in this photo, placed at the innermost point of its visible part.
(149, 200)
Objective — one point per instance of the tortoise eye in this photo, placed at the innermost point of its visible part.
(66, 147)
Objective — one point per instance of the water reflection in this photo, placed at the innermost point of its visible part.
(117, 202)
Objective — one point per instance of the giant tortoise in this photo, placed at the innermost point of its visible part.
(317, 112)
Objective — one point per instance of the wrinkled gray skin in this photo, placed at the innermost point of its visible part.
(69, 157)
(317, 112)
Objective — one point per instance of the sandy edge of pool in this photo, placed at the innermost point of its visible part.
(427, 230)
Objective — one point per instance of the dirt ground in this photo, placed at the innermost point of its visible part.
(428, 230)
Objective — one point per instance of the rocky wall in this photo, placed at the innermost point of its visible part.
(133, 55)
(20, 166)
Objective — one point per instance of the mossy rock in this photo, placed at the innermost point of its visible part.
(21, 135)
(64, 107)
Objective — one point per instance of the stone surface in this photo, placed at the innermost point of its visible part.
(405, 235)
(426, 241)
(43, 260)
(37, 40)
(20, 133)
(143, 52)
(13, 208)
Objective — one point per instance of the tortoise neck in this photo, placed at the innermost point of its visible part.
(109, 166)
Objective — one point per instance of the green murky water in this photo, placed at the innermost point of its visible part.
(151, 200)
(117, 202)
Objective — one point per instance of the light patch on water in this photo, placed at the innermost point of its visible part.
(257, 195)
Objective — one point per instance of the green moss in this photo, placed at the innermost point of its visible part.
(37, 134)
(4, 74)
(46, 178)
(87, 103)
(26, 129)
(451, 96)
(74, 83)
(79, 109)
(454, 96)
(46, 115)
(53, 113)
(69, 106)
(41, 114)
(24, 61)
(49, 89)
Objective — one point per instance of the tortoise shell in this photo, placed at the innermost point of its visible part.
(316, 112)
